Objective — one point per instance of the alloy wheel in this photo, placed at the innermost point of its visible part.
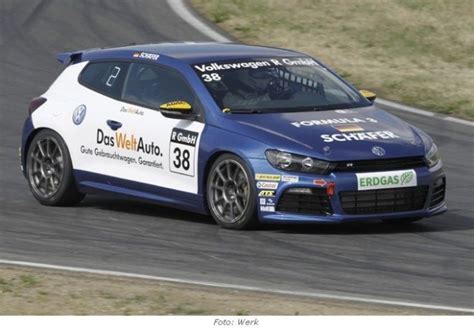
(229, 191)
(46, 167)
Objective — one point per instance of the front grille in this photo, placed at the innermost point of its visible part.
(439, 189)
(384, 200)
(374, 165)
(305, 201)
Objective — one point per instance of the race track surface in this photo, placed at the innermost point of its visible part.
(429, 262)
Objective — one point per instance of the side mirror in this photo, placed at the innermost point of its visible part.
(368, 95)
(177, 110)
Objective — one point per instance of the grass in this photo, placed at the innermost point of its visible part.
(418, 52)
(27, 291)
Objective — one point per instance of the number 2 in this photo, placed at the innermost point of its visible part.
(113, 76)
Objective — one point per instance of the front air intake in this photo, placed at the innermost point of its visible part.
(384, 200)
(438, 193)
(313, 201)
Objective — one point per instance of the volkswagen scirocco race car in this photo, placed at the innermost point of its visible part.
(247, 134)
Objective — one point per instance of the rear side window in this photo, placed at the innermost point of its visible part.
(151, 86)
(105, 77)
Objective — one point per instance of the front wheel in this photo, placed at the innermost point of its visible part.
(231, 193)
(49, 170)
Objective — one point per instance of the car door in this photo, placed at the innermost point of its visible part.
(160, 151)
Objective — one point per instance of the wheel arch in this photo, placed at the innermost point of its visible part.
(64, 188)
(248, 216)
(207, 168)
(26, 146)
(29, 139)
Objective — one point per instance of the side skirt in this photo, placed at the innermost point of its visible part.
(89, 182)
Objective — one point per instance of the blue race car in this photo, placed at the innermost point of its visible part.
(247, 134)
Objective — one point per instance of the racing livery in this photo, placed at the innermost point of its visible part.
(247, 134)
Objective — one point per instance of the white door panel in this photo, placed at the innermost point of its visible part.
(146, 139)
(141, 149)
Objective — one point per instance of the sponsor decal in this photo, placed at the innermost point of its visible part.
(290, 178)
(333, 121)
(132, 110)
(267, 185)
(120, 157)
(183, 136)
(267, 208)
(182, 151)
(79, 114)
(266, 193)
(256, 64)
(270, 201)
(348, 128)
(385, 180)
(146, 56)
(128, 142)
(378, 151)
(320, 182)
(344, 111)
(267, 201)
(267, 177)
(343, 137)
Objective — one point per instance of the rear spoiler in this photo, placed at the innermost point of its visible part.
(67, 58)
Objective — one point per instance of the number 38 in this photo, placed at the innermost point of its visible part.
(181, 159)
(211, 77)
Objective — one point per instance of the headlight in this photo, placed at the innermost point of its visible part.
(296, 163)
(432, 156)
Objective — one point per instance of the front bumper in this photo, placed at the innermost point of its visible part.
(270, 212)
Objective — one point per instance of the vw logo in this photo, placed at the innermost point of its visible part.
(79, 114)
(378, 151)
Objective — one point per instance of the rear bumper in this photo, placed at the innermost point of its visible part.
(344, 182)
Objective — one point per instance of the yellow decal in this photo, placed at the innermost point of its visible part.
(267, 177)
(266, 193)
(176, 105)
(368, 94)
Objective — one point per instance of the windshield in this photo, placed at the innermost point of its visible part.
(276, 85)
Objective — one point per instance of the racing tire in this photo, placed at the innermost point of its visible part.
(231, 193)
(49, 170)
(402, 221)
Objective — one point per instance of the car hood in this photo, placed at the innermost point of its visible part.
(349, 134)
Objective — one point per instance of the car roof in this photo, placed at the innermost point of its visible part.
(189, 52)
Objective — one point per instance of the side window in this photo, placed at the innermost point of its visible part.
(105, 77)
(151, 86)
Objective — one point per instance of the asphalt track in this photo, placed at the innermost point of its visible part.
(429, 262)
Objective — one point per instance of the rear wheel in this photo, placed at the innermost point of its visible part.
(49, 170)
(231, 193)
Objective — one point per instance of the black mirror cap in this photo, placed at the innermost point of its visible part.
(178, 115)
